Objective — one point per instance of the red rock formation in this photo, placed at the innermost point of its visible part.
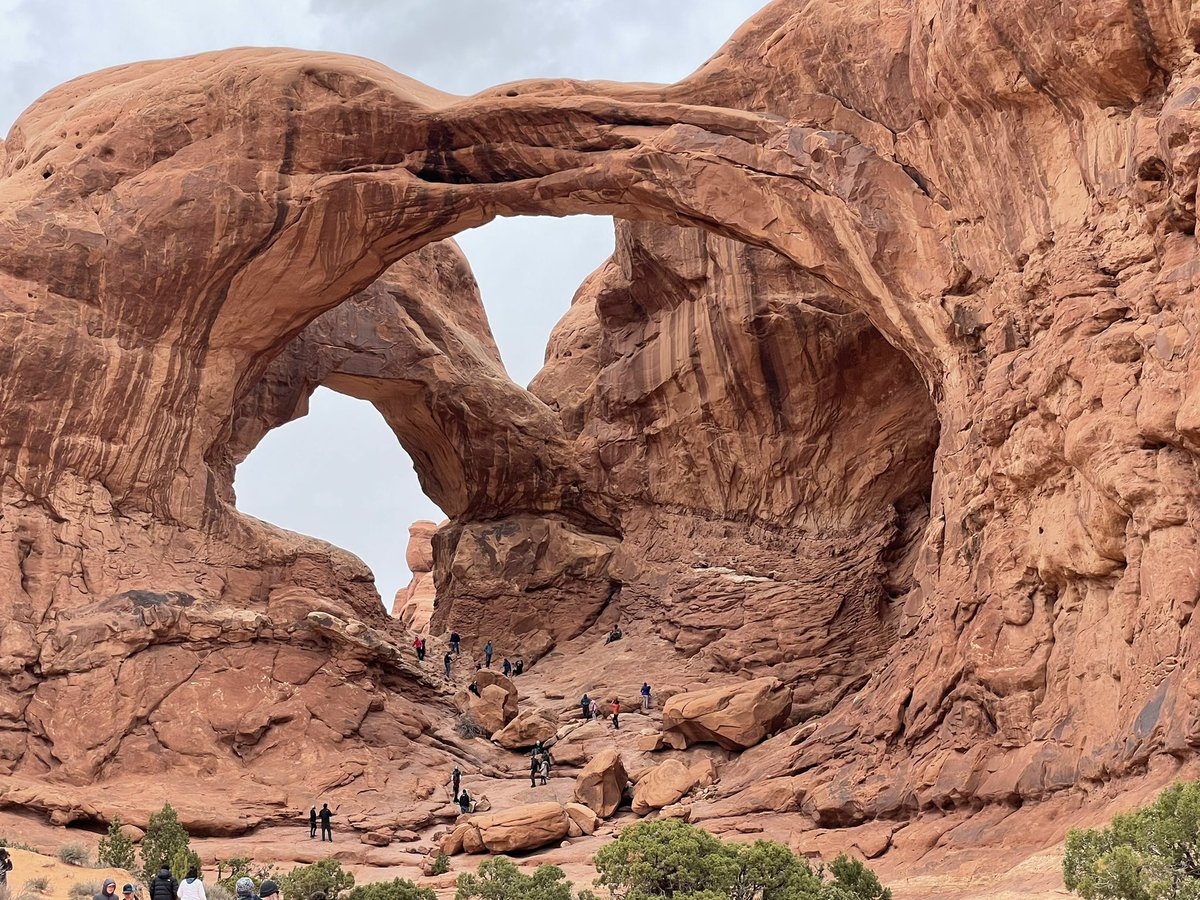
(413, 604)
(927, 452)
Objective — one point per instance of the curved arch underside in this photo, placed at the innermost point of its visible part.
(996, 209)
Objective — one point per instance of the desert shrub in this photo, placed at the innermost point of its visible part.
(468, 728)
(397, 889)
(116, 848)
(325, 875)
(230, 870)
(1151, 853)
(73, 854)
(219, 892)
(441, 864)
(84, 890)
(500, 879)
(670, 858)
(162, 843)
(36, 886)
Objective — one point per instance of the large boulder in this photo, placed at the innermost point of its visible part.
(662, 785)
(736, 716)
(520, 828)
(529, 727)
(491, 710)
(601, 784)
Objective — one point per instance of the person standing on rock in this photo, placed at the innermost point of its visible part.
(544, 767)
(446, 661)
(507, 668)
(455, 781)
(519, 668)
(192, 888)
(616, 708)
(534, 766)
(595, 709)
(585, 705)
(419, 646)
(326, 829)
(455, 643)
(487, 654)
(645, 696)
(163, 887)
(464, 801)
(312, 823)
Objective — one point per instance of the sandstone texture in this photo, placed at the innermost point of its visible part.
(736, 717)
(522, 828)
(528, 728)
(661, 786)
(413, 605)
(890, 393)
(601, 785)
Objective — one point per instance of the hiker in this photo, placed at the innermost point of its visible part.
(544, 768)
(473, 687)
(464, 801)
(129, 892)
(645, 696)
(616, 708)
(454, 643)
(108, 890)
(507, 668)
(534, 766)
(244, 889)
(585, 705)
(538, 749)
(595, 709)
(455, 781)
(191, 888)
(312, 823)
(446, 660)
(519, 668)
(487, 654)
(268, 890)
(5, 865)
(614, 635)
(419, 646)
(326, 814)
(163, 887)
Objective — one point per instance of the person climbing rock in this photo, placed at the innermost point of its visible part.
(163, 887)
(455, 781)
(108, 890)
(455, 643)
(506, 668)
(464, 801)
(585, 706)
(616, 708)
(535, 766)
(446, 661)
(473, 687)
(5, 865)
(192, 888)
(312, 823)
(487, 654)
(419, 646)
(645, 696)
(326, 830)
(544, 767)
(519, 668)
(614, 635)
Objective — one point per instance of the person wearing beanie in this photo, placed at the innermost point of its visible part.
(268, 890)
(164, 886)
(192, 888)
(108, 891)
(244, 889)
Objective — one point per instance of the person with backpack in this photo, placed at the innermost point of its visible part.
(163, 887)
(192, 888)
(456, 781)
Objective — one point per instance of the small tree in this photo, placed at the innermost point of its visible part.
(500, 879)
(163, 840)
(1150, 854)
(397, 889)
(325, 875)
(185, 858)
(230, 870)
(116, 847)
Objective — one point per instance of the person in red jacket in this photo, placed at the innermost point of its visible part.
(616, 708)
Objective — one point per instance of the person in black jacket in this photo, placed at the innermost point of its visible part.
(326, 814)
(5, 865)
(312, 823)
(164, 886)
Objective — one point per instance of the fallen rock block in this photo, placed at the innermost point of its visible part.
(661, 786)
(601, 784)
(529, 727)
(583, 817)
(520, 828)
(736, 716)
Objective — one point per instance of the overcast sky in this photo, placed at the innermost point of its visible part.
(339, 473)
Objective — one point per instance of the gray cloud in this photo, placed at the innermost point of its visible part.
(339, 473)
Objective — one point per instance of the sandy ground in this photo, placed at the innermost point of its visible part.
(28, 868)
